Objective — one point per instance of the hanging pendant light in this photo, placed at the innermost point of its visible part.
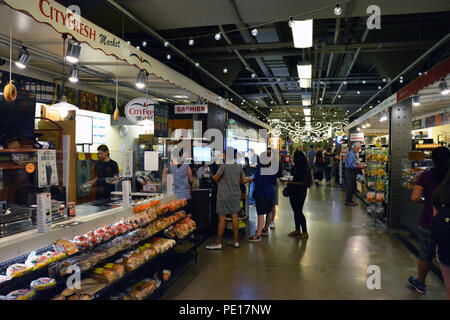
(141, 79)
(116, 112)
(73, 75)
(73, 52)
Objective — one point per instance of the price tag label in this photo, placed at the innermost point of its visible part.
(94, 156)
(81, 156)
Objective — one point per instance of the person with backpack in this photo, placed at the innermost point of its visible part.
(319, 165)
(426, 184)
(328, 166)
(440, 229)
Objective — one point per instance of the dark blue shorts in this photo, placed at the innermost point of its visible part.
(263, 205)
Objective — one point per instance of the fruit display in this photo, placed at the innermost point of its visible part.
(370, 197)
(377, 156)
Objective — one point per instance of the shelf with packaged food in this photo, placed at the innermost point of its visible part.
(144, 270)
(412, 169)
(44, 268)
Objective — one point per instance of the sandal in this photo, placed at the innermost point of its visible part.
(265, 232)
(255, 238)
(294, 233)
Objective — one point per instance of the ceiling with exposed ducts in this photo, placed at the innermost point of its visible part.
(348, 61)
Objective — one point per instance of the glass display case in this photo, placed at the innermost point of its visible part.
(411, 169)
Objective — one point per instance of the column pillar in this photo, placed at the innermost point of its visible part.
(400, 126)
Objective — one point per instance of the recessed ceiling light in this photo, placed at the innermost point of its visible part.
(191, 42)
(218, 36)
(254, 32)
(364, 81)
(166, 44)
(144, 43)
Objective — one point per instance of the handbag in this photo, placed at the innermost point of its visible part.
(287, 191)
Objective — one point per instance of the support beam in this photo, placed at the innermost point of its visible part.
(337, 48)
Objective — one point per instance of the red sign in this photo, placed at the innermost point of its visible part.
(67, 19)
(434, 74)
(189, 109)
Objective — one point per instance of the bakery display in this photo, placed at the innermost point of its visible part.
(104, 255)
(42, 284)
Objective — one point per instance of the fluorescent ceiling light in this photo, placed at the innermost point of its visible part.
(307, 111)
(181, 97)
(304, 71)
(302, 32)
(305, 83)
(308, 119)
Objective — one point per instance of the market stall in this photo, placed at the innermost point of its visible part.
(407, 127)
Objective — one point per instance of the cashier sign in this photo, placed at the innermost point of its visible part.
(189, 109)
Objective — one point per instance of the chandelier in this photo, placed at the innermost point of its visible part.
(307, 133)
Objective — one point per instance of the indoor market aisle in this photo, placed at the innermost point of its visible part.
(331, 264)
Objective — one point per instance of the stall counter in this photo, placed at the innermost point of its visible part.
(25, 242)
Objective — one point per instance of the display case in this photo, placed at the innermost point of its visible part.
(112, 251)
(411, 169)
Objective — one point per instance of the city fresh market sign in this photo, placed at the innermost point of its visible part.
(65, 21)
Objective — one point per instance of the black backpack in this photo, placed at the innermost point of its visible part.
(440, 228)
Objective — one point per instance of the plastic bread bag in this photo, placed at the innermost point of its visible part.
(104, 275)
(4, 278)
(22, 294)
(18, 270)
(43, 284)
(65, 246)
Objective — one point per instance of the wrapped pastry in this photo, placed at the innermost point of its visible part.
(65, 246)
(130, 262)
(4, 278)
(22, 294)
(104, 275)
(43, 284)
(167, 274)
(18, 270)
(118, 269)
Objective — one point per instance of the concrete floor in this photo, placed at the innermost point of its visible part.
(331, 264)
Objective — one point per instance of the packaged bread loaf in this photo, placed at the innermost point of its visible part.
(118, 269)
(104, 275)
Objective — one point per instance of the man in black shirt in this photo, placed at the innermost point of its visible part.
(105, 168)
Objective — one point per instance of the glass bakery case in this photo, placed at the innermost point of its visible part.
(411, 170)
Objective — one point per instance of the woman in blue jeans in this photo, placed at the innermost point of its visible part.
(298, 189)
(440, 229)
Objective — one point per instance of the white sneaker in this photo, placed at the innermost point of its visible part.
(233, 244)
(272, 225)
(214, 246)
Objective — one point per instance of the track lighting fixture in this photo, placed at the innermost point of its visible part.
(24, 59)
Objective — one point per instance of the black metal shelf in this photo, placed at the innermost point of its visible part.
(25, 280)
(142, 271)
